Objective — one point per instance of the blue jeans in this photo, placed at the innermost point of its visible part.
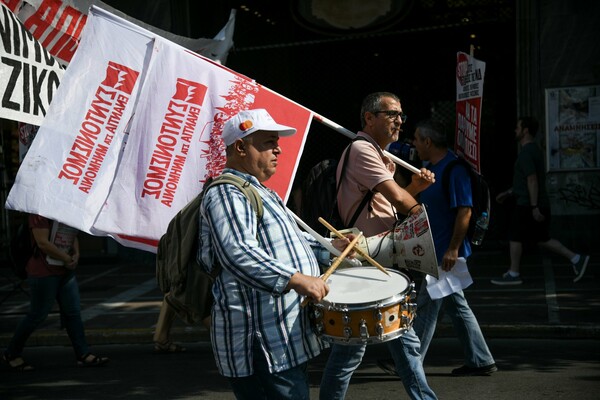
(289, 384)
(343, 361)
(476, 351)
(44, 291)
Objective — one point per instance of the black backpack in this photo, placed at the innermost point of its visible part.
(479, 188)
(22, 247)
(319, 196)
(176, 265)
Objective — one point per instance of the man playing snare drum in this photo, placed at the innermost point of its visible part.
(368, 169)
(261, 337)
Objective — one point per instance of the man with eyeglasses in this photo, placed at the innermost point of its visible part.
(368, 169)
(392, 114)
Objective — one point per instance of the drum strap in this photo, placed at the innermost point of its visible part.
(394, 251)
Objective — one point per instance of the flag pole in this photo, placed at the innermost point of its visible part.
(352, 135)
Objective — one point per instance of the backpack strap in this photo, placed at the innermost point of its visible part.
(367, 197)
(446, 175)
(245, 187)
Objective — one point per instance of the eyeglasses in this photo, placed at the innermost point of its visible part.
(392, 114)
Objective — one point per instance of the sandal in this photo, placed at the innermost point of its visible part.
(16, 363)
(168, 347)
(90, 360)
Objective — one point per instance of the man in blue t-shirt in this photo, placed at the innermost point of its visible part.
(449, 215)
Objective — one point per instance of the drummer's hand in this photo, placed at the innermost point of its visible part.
(341, 244)
(424, 178)
(420, 181)
(310, 286)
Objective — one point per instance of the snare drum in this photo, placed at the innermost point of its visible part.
(364, 306)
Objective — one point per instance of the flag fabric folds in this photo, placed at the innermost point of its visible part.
(58, 24)
(38, 38)
(134, 132)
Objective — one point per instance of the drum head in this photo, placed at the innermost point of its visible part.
(365, 285)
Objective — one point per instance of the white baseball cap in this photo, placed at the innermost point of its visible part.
(246, 122)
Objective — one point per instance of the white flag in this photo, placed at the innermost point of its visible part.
(67, 172)
(168, 146)
(58, 24)
(173, 141)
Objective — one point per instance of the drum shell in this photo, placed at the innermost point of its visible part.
(366, 322)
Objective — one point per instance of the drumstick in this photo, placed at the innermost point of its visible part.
(357, 249)
(336, 263)
(341, 257)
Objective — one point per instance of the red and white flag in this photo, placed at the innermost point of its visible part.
(69, 168)
(134, 132)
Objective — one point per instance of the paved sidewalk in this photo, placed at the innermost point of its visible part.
(120, 303)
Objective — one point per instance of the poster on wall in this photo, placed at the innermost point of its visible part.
(573, 128)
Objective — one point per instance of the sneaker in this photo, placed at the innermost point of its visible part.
(580, 267)
(507, 279)
(388, 366)
(465, 370)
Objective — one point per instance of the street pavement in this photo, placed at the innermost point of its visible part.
(544, 334)
(532, 369)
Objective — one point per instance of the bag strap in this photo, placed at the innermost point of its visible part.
(447, 172)
(244, 186)
(248, 190)
(367, 197)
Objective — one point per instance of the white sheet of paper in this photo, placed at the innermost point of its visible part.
(458, 278)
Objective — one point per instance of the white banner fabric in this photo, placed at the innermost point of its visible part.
(58, 25)
(30, 74)
(167, 146)
(173, 142)
(67, 172)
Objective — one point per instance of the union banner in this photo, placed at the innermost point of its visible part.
(134, 132)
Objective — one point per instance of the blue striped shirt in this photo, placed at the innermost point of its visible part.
(258, 260)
